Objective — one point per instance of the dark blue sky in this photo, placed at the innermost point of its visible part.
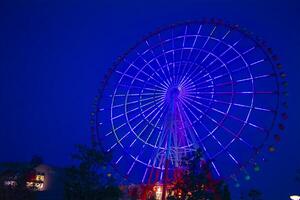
(54, 54)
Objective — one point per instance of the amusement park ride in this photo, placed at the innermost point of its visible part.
(205, 85)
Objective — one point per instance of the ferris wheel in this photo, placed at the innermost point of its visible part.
(194, 85)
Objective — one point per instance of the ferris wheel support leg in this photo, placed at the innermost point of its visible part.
(165, 180)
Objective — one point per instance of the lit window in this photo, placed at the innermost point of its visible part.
(10, 183)
(35, 185)
(40, 178)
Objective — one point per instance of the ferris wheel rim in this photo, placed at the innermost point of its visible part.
(226, 25)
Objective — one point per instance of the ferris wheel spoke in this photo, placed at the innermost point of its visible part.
(215, 168)
(200, 141)
(162, 81)
(159, 107)
(191, 74)
(173, 58)
(224, 149)
(157, 139)
(232, 93)
(205, 114)
(162, 87)
(118, 142)
(204, 68)
(199, 110)
(117, 128)
(254, 78)
(135, 160)
(187, 77)
(161, 139)
(216, 57)
(257, 62)
(194, 42)
(190, 79)
(137, 94)
(191, 124)
(160, 132)
(181, 56)
(194, 62)
(211, 133)
(220, 124)
(143, 111)
(141, 121)
(146, 104)
(127, 103)
(214, 78)
(129, 76)
(185, 130)
(155, 100)
(235, 82)
(229, 47)
(165, 57)
(227, 103)
(135, 78)
(199, 120)
(132, 102)
(233, 59)
(141, 87)
(155, 126)
(142, 106)
(190, 52)
(140, 70)
(119, 159)
(248, 50)
(146, 170)
(155, 58)
(226, 114)
(226, 34)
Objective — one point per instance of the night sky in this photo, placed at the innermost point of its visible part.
(54, 54)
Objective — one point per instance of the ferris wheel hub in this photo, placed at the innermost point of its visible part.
(175, 91)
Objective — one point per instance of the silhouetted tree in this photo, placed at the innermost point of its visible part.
(254, 194)
(226, 193)
(87, 180)
(36, 160)
(197, 182)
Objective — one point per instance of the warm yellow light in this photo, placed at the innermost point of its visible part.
(35, 185)
(295, 197)
(40, 178)
(158, 191)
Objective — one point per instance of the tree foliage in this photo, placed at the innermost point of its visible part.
(197, 182)
(254, 194)
(88, 180)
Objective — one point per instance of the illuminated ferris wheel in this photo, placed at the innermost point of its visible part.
(203, 85)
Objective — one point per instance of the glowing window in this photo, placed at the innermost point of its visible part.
(40, 177)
